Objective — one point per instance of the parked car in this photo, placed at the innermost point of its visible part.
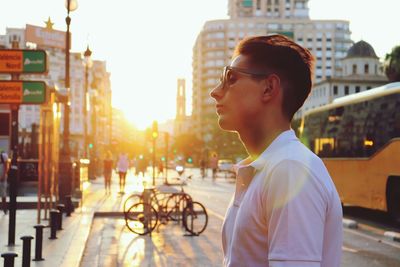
(226, 166)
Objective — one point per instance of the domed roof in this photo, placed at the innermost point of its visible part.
(361, 49)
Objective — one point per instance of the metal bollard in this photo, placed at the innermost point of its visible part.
(38, 242)
(9, 258)
(26, 250)
(69, 207)
(60, 208)
(54, 223)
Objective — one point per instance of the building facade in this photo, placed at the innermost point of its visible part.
(361, 71)
(51, 41)
(328, 41)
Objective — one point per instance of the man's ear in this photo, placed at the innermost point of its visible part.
(272, 87)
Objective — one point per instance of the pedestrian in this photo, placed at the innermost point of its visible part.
(203, 168)
(160, 167)
(285, 210)
(108, 167)
(3, 179)
(214, 165)
(122, 167)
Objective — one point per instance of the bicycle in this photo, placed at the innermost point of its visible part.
(142, 218)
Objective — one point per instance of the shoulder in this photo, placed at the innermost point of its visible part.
(294, 166)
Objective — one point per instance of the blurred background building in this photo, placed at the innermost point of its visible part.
(361, 71)
(99, 119)
(328, 41)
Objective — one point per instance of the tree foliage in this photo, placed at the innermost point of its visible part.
(392, 64)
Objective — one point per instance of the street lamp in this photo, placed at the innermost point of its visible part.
(65, 164)
(88, 64)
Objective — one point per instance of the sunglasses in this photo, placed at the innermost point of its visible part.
(227, 75)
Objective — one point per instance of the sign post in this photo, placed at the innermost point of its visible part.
(15, 92)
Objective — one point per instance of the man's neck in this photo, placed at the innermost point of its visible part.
(257, 140)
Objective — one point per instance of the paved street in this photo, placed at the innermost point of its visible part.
(111, 243)
(97, 232)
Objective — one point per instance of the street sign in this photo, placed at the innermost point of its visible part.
(23, 61)
(22, 92)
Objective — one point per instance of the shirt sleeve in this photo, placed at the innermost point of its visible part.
(294, 210)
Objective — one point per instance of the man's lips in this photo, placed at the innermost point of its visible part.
(219, 108)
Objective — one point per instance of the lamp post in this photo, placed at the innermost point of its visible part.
(65, 164)
(88, 64)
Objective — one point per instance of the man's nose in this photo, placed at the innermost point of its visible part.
(216, 92)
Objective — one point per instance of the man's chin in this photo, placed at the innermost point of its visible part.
(225, 125)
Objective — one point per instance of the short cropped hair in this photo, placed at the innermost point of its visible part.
(292, 63)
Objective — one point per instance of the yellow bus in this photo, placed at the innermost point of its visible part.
(358, 138)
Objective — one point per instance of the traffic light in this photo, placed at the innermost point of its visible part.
(154, 133)
(90, 145)
(190, 160)
(162, 158)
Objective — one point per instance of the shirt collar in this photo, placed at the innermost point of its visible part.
(278, 142)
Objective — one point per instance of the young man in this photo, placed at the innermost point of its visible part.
(3, 179)
(285, 210)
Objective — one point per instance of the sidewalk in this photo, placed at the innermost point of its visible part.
(68, 248)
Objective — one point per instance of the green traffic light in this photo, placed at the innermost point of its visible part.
(189, 160)
(90, 145)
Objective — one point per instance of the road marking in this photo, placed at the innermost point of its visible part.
(371, 238)
(215, 214)
(344, 248)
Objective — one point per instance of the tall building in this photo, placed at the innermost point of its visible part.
(328, 41)
(268, 8)
(182, 122)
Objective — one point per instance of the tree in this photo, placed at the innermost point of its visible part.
(392, 64)
(188, 145)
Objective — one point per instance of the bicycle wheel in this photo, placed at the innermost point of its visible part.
(175, 205)
(195, 218)
(130, 201)
(141, 218)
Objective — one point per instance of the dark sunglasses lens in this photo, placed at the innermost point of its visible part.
(222, 77)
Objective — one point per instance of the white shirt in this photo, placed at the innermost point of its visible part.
(123, 163)
(288, 214)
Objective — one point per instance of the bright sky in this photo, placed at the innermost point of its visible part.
(148, 44)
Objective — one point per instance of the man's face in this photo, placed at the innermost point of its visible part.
(239, 96)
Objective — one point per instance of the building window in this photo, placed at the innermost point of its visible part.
(366, 68)
(335, 90)
(357, 89)
(354, 69)
(346, 90)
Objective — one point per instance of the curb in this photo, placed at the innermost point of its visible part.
(392, 236)
(350, 224)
